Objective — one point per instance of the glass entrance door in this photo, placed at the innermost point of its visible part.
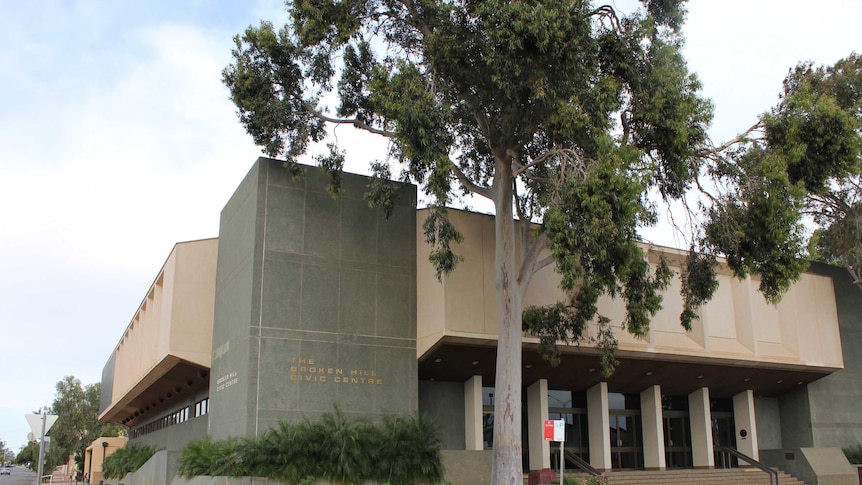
(677, 440)
(724, 434)
(626, 443)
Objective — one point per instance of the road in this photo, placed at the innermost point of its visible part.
(20, 476)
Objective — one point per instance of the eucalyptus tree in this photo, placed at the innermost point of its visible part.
(565, 114)
(6, 455)
(815, 133)
(77, 408)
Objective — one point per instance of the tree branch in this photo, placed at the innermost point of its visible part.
(341, 121)
(529, 265)
(608, 12)
(542, 263)
(565, 154)
(740, 138)
(410, 5)
(469, 184)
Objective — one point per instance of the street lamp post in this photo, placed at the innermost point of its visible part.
(89, 475)
(102, 466)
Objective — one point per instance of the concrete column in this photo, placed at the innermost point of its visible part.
(537, 413)
(701, 429)
(473, 414)
(599, 420)
(744, 419)
(653, 428)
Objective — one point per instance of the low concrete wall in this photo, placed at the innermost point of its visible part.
(224, 481)
(817, 466)
(158, 470)
(461, 467)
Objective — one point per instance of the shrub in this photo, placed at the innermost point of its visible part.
(404, 450)
(126, 460)
(600, 480)
(213, 458)
(410, 451)
(854, 453)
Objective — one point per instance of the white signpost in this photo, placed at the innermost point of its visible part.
(39, 425)
(555, 430)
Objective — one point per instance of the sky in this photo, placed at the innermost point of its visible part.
(117, 140)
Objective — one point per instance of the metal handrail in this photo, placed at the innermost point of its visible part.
(773, 474)
(581, 463)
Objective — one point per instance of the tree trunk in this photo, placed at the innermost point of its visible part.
(508, 468)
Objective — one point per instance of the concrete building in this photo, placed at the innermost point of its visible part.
(95, 455)
(305, 301)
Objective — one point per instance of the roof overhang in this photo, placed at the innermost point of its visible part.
(170, 381)
(456, 360)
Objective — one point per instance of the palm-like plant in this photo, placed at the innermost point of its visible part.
(405, 450)
(126, 460)
(410, 451)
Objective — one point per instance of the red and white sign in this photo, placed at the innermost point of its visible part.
(555, 430)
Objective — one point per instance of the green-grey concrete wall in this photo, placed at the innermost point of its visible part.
(817, 466)
(232, 408)
(444, 401)
(836, 412)
(315, 303)
(795, 419)
(467, 467)
(826, 413)
(768, 416)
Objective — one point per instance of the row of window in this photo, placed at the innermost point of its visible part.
(199, 408)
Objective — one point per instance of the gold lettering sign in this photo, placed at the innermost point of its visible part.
(307, 370)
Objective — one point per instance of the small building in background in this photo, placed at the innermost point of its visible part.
(95, 456)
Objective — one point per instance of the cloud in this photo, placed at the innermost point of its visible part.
(105, 166)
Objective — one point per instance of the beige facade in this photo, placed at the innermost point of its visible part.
(737, 325)
(739, 348)
(165, 351)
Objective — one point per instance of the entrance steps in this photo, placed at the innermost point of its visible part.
(718, 476)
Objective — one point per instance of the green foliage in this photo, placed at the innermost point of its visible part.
(757, 224)
(809, 161)
(440, 233)
(5, 453)
(552, 324)
(489, 83)
(567, 116)
(403, 450)
(382, 191)
(29, 454)
(592, 231)
(332, 164)
(411, 450)
(600, 480)
(853, 453)
(126, 460)
(699, 282)
(216, 458)
(77, 408)
(818, 128)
